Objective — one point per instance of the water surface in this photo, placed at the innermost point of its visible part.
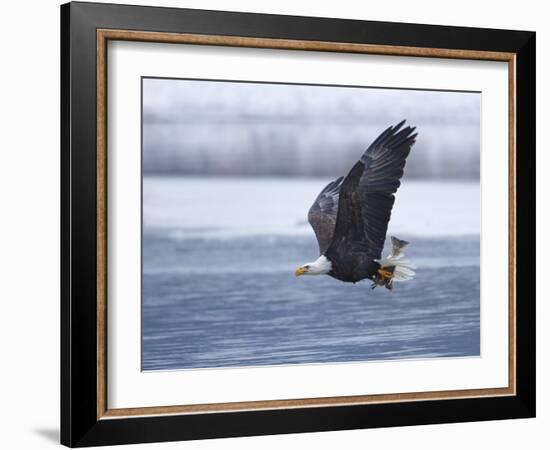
(219, 288)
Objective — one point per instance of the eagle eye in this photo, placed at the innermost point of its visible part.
(306, 266)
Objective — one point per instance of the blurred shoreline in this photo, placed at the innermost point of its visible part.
(194, 127)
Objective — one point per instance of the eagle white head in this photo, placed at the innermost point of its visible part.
(320, 266)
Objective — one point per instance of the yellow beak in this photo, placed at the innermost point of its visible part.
(300, 271)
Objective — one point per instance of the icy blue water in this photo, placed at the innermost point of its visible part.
(219, 288)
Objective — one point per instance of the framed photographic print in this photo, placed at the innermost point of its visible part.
(276, 224)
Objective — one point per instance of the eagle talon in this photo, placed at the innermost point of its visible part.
(384, 274)
(384, 278)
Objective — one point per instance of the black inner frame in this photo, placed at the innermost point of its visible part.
(79, 423)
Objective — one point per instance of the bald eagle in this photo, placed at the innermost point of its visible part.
(350, 216)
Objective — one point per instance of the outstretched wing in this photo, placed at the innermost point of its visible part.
(323, 212)
(367, 195)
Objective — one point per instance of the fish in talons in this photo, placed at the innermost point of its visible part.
(395, 267)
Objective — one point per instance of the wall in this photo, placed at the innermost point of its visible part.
(29, 243)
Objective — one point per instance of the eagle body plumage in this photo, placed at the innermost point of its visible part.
(350, 215)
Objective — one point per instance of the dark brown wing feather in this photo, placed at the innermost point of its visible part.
(323, 212)
(366, 199)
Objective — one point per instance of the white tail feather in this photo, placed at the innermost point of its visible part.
(403, 271)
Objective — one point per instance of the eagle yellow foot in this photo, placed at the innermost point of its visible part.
(384, 278)
(384, 275)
